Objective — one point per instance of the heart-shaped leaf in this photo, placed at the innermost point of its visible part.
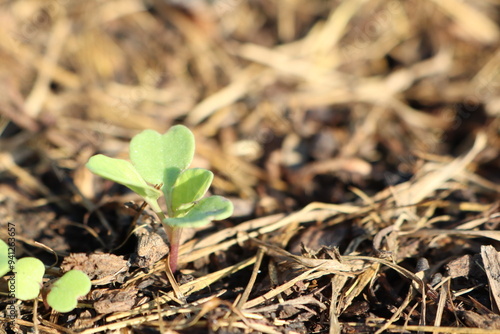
(190, 186)
(4, 258)
(160, 158)
(123, 172)
(203, 212)
(63, 297)
(28, 275)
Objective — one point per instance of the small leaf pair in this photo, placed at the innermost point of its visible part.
(65, 291)
(28, 278)
(163, 160)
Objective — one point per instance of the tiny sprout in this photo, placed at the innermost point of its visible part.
(28, 280)
(163, 160)
(64, 294)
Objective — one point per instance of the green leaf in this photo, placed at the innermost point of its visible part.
(4, 258)
(63, 297)
(190, 186)
(203, 212)
(28, 278)
(160, 158)
(123, 172)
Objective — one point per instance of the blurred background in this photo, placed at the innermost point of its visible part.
(291, 101)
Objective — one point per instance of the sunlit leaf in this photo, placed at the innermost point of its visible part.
(190, 186)
(28, 278)
(160, 158)
(203, 212)
(123, 172)
(63, 297)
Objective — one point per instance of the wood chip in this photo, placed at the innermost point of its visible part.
(491, 260)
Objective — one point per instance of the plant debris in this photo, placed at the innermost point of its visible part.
(102, 268)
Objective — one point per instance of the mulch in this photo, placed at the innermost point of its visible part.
(358, 140)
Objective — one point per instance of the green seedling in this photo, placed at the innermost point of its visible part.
(28, 278)
(64, 294)
(4, 258)
(159, 168)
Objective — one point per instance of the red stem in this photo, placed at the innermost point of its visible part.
(173, 256)
(174, 236)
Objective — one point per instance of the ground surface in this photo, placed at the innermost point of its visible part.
(358, 140)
